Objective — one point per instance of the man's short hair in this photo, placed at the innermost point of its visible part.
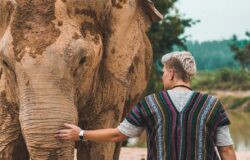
(182, 62)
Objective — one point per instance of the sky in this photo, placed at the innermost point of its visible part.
(220, 19)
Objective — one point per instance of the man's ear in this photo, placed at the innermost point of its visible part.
(172, 74)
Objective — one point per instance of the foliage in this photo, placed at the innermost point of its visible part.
(212, 55)
(166, 34)
(236, 103)
(241, 50)
(224, 79)
(155, 82)
(239, 102)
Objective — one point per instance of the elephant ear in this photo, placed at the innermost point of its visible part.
(6, 9)
(149, 14)
(130, 20)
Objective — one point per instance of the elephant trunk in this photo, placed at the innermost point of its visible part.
(46, 103)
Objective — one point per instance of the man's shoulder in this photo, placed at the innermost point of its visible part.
(153, 95)
(208, 95)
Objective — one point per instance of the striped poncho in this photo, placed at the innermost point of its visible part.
(185, 135)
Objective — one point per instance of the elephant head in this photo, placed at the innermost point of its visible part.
(69, 61)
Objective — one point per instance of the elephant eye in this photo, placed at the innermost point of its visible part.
(82, 61)
(6, 64)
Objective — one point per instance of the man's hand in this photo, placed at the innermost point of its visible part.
(70, 133)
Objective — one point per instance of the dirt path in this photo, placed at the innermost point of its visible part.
(133, 154)
(225, 93)
(141, 154)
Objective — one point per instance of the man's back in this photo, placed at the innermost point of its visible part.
(175, 132)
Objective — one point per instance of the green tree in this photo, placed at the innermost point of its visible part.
(211, 55)
(166, 34)
(241, 49)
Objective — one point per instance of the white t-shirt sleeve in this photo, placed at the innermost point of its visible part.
(223, 136)
(129, 129)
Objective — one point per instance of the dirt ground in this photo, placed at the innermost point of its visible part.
(225, 93)
(141, 154)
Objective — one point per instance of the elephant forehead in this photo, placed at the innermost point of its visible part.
(91, 16)
(32, 27)
(96, 5)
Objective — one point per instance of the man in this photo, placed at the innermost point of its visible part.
(180, 123)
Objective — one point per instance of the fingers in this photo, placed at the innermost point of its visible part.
(63, 131)
(71, 133)
(70, 126)
(62, 136)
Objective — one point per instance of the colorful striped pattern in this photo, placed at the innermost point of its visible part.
(185, 135)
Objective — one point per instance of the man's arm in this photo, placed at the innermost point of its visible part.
(227, 152)
(100, 135)
(224, 143)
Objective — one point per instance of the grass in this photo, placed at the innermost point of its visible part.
(232, 103)
(223, 79)
(239, 102)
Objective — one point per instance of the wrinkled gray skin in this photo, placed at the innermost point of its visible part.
(69, 61)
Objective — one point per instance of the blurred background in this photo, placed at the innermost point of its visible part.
(217, 34)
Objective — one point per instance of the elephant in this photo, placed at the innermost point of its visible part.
(84, 62)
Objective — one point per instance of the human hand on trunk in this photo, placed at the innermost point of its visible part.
(100, 135)
(70, 133)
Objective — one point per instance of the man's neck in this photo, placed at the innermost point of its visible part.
(180, 85)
